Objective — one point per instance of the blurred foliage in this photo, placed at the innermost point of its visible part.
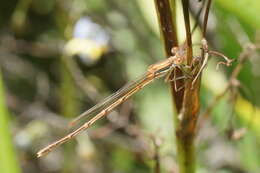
(52, 72)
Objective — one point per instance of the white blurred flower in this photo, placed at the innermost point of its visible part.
(89, 42)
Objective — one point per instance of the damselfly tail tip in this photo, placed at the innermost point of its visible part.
(43, 152)
(40, 154)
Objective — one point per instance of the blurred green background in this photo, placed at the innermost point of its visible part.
(60, 57)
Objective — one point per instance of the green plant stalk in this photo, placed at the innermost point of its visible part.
(8, 160)
(186, 129)
(69, 107)
(67, 91)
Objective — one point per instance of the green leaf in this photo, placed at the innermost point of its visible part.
(8, 161)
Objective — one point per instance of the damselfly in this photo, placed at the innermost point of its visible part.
(157, 70)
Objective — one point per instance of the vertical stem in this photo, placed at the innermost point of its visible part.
(185, 106)
(69, 107)
(68, 91)
(187, 118)
(205, 23)
(185, 6)
(166, 14)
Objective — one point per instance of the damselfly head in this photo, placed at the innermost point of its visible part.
(178, 54)
(174, 50)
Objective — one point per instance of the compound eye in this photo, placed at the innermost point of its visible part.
(174, 50)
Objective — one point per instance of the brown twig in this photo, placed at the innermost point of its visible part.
(205, 23)
(185, 5)
(248, 50)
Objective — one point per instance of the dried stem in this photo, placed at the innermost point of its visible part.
(241, 60)
(206, 16)
(186, 122)
(185, 5)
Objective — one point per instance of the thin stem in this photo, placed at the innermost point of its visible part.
(185, 6)
(205, 23)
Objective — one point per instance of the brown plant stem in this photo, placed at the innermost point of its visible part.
(205, 20)
(187, 118)
(187, 100)
(166, 13)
